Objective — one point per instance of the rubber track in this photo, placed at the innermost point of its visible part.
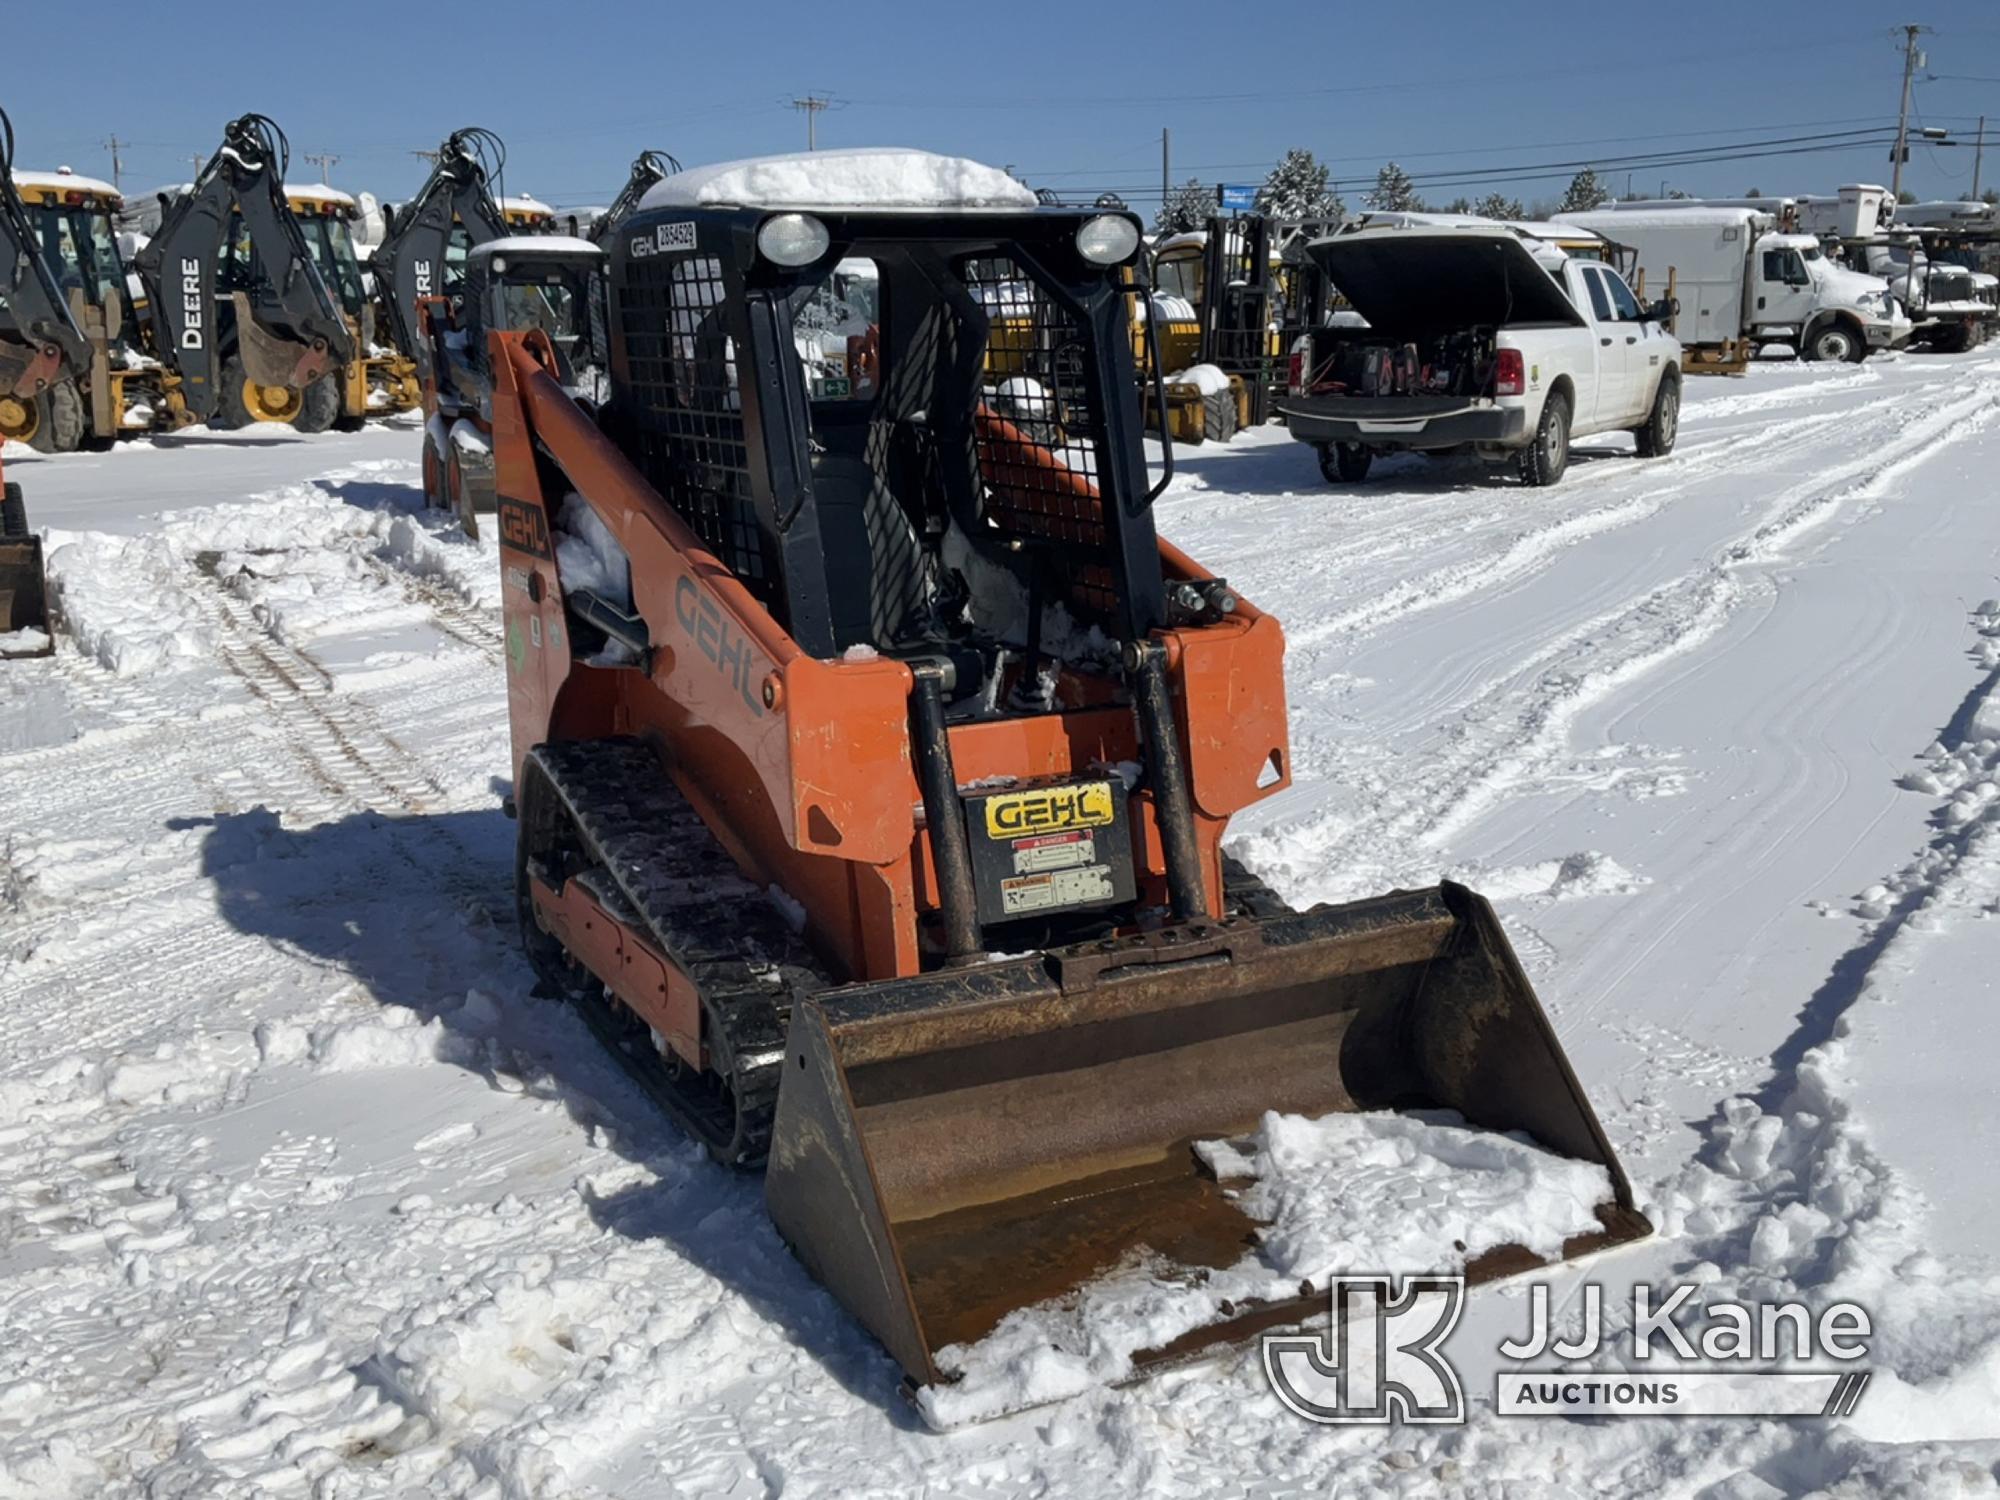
(656, 866)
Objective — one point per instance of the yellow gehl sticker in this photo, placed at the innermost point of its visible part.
(1048, 809)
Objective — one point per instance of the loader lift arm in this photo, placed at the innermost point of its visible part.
(39, 340)
(411, 258)
(289, 329)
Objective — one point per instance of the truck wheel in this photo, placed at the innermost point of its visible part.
(1218, 416)
(1656, 437)
(241, 402)
(1544, 460)
(1836, 343)
(58, 419)
(319, 404)
(1345, 463)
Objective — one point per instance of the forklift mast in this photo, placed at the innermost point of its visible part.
(289, 330)
(1235, 310)
(39, 340)
(410, 261)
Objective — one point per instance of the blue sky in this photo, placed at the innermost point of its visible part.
(1072, 95)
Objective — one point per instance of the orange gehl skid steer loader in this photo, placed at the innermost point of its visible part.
(878, 827)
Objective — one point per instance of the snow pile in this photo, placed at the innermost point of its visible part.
(1346, 1193)
(1208, 379)
(875, 177)
(119, 603)
(23, 641)
(588, 556)
(1589, 873)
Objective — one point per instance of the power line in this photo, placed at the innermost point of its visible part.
(326, 161)
(1477, 176)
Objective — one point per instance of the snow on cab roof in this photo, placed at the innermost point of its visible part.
(525, 203)
(319, 191)
(64, 178)
(870, 177)
(1185, 237)
(548, 244)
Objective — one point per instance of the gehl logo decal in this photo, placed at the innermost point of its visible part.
(1049, 809)
(191, 303)
(715, 638)
(523, 527)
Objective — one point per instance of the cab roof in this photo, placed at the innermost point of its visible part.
(66, 181)
(535, 244)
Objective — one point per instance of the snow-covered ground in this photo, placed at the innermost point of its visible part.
(301, 1192)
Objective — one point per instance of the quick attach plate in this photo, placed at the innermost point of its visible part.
(1049, 847)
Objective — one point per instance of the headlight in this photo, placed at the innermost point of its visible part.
(1107, 239)
(792, 239)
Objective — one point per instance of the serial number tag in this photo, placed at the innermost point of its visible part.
(1049, 810)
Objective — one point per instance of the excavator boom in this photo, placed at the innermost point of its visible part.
(288, 329)
(411, 258)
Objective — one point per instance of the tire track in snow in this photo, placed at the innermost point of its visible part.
(348, 755)
(1514, 730)
(1531, 550)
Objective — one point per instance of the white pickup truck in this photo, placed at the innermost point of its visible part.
(1478, 337)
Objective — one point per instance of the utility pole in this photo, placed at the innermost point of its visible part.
(811, 106)
(1978, 155)
(326, 161)
(1166, 169)
(1910, 59)
(199, 163)
(432, 157)
(117, 162)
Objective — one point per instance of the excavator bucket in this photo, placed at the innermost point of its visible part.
(953, 1147)
(24, 604)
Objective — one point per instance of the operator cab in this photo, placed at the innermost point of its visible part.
(326, 217)
(896, 396)
(540, 281)
(74, 222)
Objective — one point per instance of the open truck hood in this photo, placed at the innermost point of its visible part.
(1419, 282)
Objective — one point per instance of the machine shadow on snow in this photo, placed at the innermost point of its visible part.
(418, 910)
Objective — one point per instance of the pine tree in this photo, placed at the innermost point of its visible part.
(1585, 192)
(1753, 192)
(1298, 188)
(1494, 206)
(1991, 195)
(1459, 205)
(1393, 192)
(1190, 207)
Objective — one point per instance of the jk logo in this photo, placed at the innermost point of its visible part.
(1380, 1358)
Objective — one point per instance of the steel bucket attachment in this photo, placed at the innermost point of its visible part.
(24, 601)
(952, 1147)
